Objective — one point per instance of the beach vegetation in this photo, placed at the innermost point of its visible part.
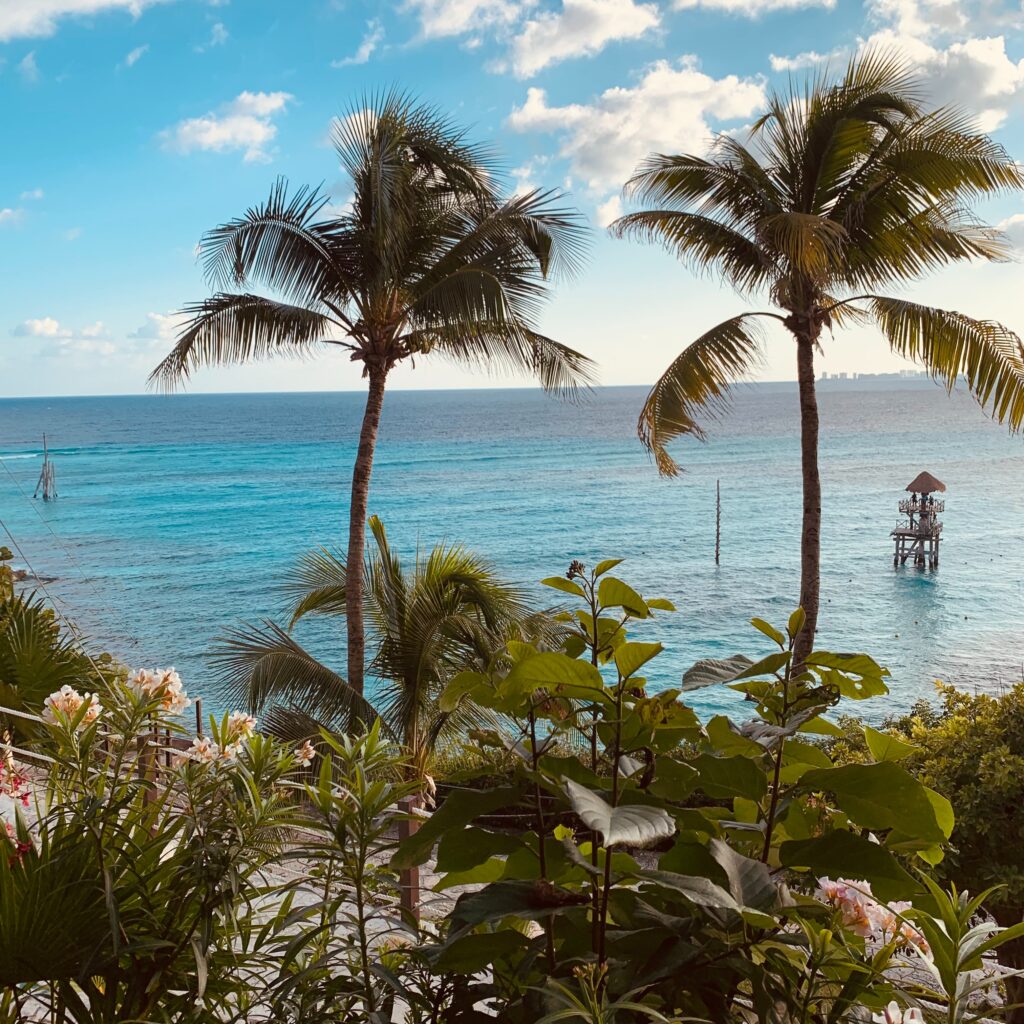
(720, 870)
(429, 259)
(447, 611)
(843, 187)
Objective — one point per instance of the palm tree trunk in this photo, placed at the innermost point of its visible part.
(810, 534)
(357, 529)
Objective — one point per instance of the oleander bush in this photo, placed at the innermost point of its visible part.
(661, 869)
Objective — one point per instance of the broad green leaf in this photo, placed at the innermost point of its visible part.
(630, 824)
(460, 807)
(750, 881)
(711, 671)
(884, 746)
(701, 892)
(842, 854)
(769, 630)
(673, 780)
(457, 688)
(566, 586)
(724, 738)
(796, 621)
(883, 796)
(661, 604)
(727, 777)
(766, 666)
(631, 656)
(471, 954)
(606, 566)
(549, 669)
(819, 726)
(613, 593)
(462, 849)
(531, 900)
(489, 870)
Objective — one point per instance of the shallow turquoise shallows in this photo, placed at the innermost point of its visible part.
(179, 515)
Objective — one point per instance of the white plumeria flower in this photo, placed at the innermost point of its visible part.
(66, 702)
(892, 1014)
(240, 725)
(305, 753)
(203, 750)
(163, 683)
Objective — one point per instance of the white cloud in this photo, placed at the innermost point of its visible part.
(972, 71)
(96, 330)
(219, 35)
(752, 8)
(801, 61)
(72, 233)
(162, 327)
(440, 18)
(28, 68)
(609, 210)
(132, 58)
(580, 28)
(9, 215)
(373, 38)
(20, 18)
(245, 123)
(31, 194)
(668, 110)
(1013, 228)
(44, 327)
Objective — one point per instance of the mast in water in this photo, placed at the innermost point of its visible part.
(47, 485)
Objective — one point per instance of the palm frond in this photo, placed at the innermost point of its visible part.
(949, 344)
(230, 328)
(280, 244)
(317, 585)
(702, 242)
(698, 380)
(260, 665)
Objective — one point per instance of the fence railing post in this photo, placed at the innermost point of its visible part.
(409, 878)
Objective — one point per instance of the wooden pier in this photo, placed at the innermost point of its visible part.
(917, 535)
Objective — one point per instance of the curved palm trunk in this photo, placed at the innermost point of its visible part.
(810, 534)
(357, 529)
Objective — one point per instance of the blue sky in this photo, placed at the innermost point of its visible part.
(131, 126)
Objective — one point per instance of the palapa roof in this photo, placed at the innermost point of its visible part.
(925, 483)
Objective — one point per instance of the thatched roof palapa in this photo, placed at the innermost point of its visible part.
(925, 483)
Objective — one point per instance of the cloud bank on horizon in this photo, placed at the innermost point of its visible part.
(138, 124)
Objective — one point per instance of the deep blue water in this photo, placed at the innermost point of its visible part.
(179, 515)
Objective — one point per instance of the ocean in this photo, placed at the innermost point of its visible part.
(179, 516)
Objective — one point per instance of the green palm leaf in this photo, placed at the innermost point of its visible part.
(697, 381)
(989, 355)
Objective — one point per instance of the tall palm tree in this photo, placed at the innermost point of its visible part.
(450, 612)
(431, 258)
(838, 190)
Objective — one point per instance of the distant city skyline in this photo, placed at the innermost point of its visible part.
(135, 125)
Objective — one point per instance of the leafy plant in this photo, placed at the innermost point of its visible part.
(449, 611)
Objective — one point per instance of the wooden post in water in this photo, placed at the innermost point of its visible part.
(47, 484)
(718, 519)
(199, 716)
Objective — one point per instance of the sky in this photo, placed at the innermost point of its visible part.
(130, 127)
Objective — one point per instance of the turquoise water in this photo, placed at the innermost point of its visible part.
(179, 515)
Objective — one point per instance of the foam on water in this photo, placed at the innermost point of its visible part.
(180, 515)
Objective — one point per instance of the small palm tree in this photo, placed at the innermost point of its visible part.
(449, 613)
(431, 258)
(839, 190)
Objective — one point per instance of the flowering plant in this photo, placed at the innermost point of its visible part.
(163, 685)
(63, 706)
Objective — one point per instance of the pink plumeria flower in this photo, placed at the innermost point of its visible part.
(305, 753)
